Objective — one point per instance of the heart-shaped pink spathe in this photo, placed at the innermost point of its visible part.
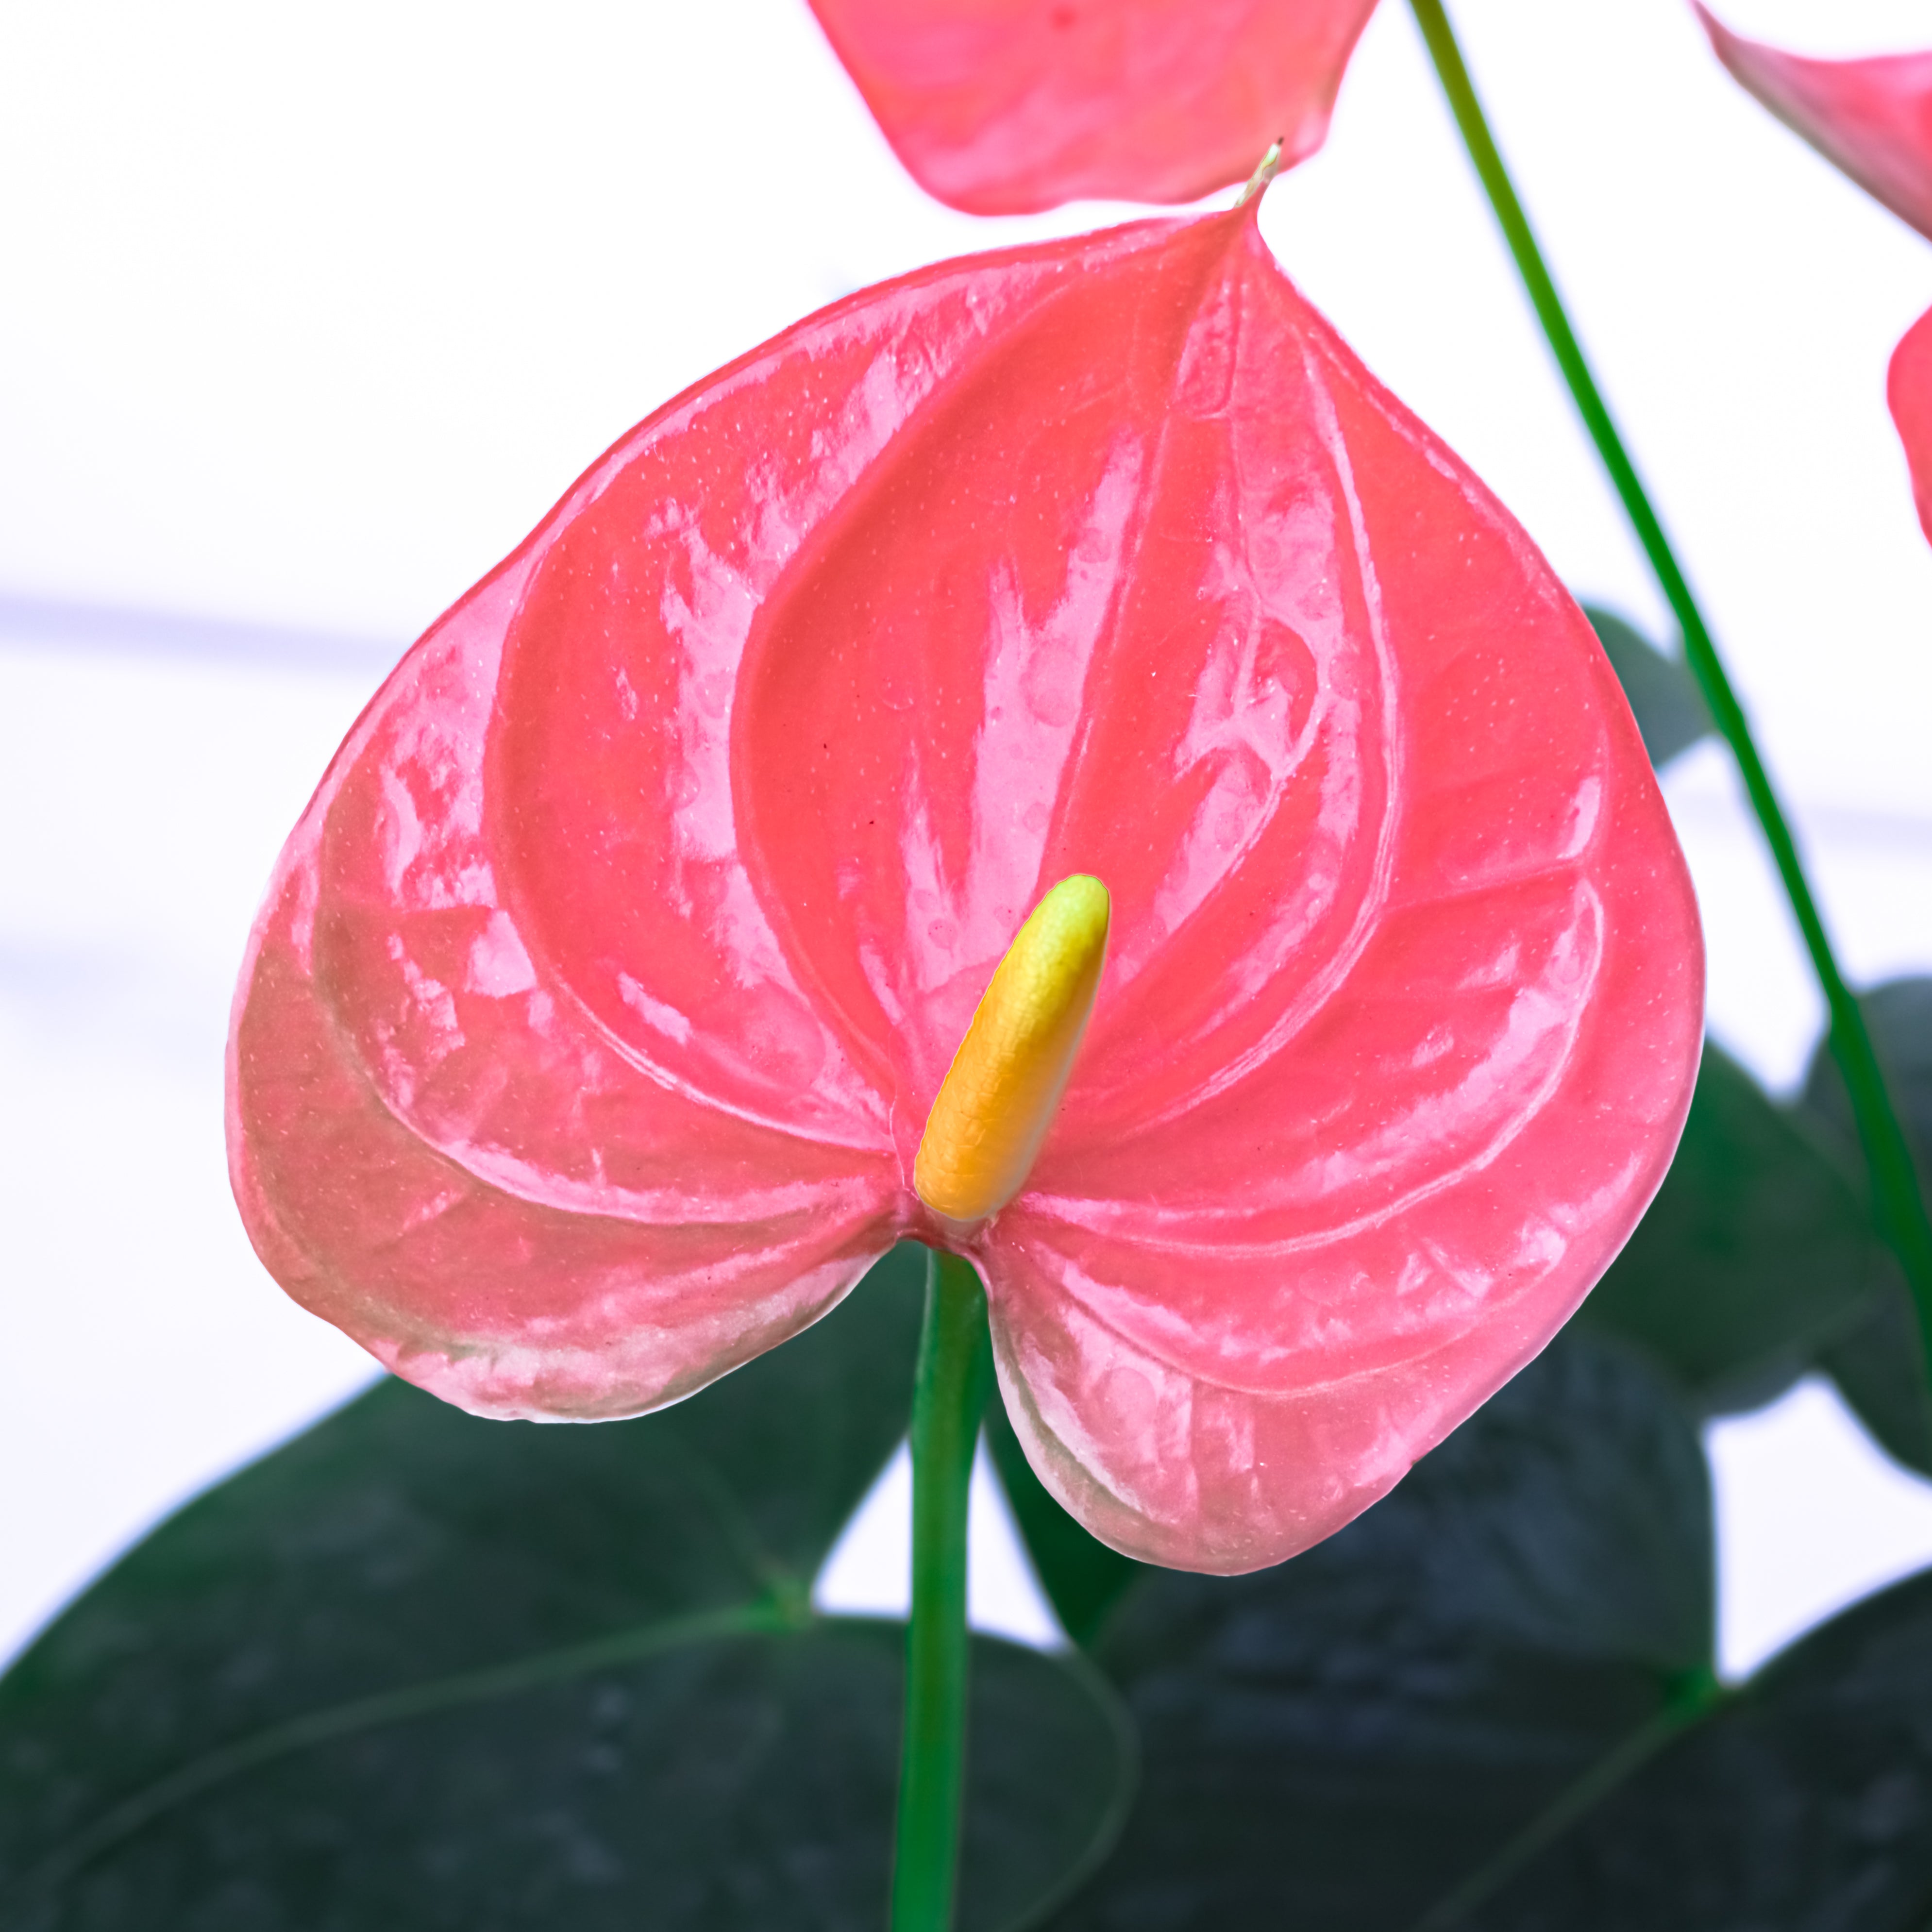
(1004, 107)
(587, 1034)
(1872, 118)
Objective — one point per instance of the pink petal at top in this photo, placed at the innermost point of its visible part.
(1003, 107)
(1871, 118)
(601, 994)
(1908, 389)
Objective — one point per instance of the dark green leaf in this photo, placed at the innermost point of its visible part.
(1879, 1368)
(1669, 709)
(1083, 1578)
(1803, 1803)
(1879, 1365)
(1756, 1256)
(744, 1781)
(1335, 1743)
(1899, 1013)
(416, 1670)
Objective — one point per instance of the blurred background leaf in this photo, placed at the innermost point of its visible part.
(1879, 1365)
(1899, 1013)
(1803, 1802)
(417, 1669)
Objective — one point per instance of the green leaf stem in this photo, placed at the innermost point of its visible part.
(1899, 1014)
(1898, 1202)
(955, 1378)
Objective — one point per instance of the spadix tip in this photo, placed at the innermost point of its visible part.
(999, 1096)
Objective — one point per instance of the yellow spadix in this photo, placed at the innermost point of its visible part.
(999, 1096)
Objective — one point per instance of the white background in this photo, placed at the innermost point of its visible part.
(309, 315)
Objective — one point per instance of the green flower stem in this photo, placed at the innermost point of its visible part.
(954, 1379)
(1900, 1208)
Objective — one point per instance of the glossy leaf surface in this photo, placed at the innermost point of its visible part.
(1343, 1741)
(602, 993)
(1001, 106)
(416, 1670)
(1871, 118)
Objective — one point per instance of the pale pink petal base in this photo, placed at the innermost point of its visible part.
(444, 1155)
(1174, 1469)
(506, 1306)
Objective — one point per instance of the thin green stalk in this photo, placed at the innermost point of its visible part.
(1900, 1207)
(954, 1379)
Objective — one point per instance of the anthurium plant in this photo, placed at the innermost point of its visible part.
(1036, 859)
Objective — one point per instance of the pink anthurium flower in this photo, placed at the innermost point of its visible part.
(589, 1033)
(1873, 118)
(1003, 107)
(1908, 390)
